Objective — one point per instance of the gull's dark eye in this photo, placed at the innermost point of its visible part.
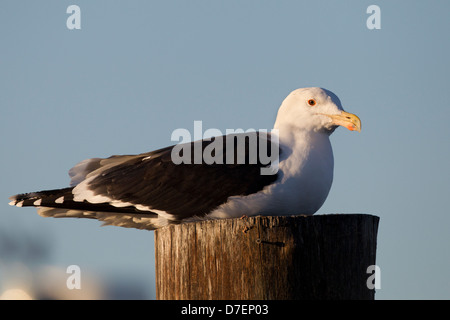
(312, 102)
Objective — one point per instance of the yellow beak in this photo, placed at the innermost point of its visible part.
(347, 120)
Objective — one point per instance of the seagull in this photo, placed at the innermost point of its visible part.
(155, 189)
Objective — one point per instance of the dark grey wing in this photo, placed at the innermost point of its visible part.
(191, 188)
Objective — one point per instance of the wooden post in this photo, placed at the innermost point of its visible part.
(274, 257)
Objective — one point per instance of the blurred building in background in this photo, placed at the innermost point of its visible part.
(27, 272)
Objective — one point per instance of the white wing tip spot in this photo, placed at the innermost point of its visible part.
(60, 200)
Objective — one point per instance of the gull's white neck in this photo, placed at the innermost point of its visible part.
(296, 138)
(306, 163)
(305, 177)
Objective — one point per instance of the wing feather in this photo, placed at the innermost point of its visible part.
(153, 181)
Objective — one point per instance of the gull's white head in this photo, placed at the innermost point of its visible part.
(314, 109)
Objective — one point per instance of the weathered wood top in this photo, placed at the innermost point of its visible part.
(267, 257)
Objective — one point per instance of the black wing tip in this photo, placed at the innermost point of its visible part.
(23, 196)
(23, 199)
(28, 199)
(13, 200)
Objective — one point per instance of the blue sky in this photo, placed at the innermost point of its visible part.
(138, 70)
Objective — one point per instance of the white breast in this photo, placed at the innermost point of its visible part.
(305, 178)
(307, 175)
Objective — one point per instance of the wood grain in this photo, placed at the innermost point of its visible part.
(267, 257)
